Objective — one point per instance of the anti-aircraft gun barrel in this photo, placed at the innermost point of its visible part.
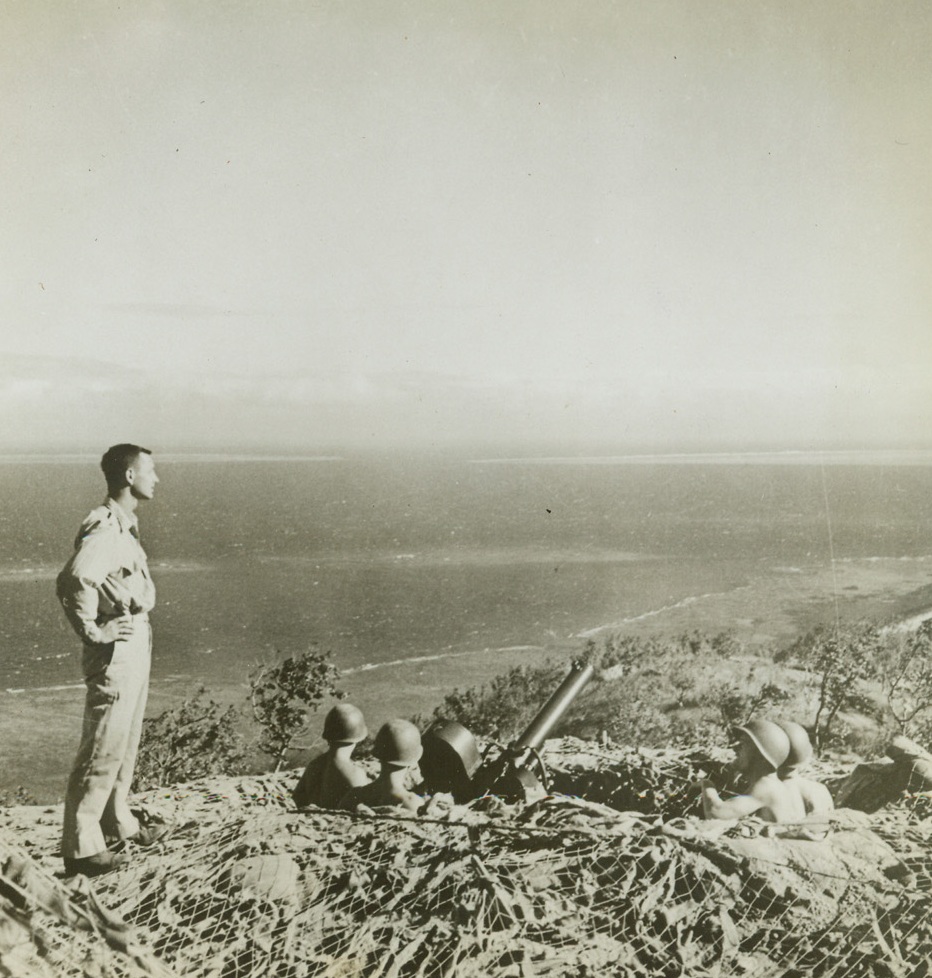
(512, 774)
(451, 760)
(552, 711)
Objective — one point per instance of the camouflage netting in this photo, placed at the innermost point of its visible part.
(563, 886)
(48, 929)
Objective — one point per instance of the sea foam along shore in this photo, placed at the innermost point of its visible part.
(912, 623)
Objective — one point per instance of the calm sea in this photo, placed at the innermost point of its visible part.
(425, 574)
(381, 560)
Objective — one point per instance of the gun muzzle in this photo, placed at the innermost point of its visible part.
(551, 712)
(512, 775)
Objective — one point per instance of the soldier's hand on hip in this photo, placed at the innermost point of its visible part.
(117, 629)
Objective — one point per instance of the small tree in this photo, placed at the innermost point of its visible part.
(906, 679)
(737, 707)
(284, 694)
(840, 658)
(197, 739)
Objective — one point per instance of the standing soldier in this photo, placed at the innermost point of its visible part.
(107, 593)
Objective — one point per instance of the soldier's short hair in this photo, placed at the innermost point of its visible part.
(116, 460)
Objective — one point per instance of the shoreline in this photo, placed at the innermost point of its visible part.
(911, 609)
(912, 623)
(40, 725)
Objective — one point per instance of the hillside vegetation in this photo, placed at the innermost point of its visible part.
(854, 687)
(247, 887)
(607, 875)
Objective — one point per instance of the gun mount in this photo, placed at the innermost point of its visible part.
(451, 760)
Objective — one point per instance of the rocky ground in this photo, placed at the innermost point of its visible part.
(608, 875)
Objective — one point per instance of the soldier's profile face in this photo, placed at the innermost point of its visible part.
(144, 477)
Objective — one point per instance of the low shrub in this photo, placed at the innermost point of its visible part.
(197, 739)
(16, 796)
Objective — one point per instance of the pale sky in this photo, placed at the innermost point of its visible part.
(649, 225)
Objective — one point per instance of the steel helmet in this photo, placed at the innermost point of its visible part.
(800, 744)
(452, 747)
(345, 724)
(771, 741)
(398, 742)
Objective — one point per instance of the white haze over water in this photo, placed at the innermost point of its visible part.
(785, 457)
(889, 457)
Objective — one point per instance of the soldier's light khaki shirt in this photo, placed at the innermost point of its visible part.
(108, 574)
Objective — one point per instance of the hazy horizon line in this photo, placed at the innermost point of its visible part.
(799, 456)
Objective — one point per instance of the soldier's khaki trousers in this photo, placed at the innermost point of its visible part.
(117, 680)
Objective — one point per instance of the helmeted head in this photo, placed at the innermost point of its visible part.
(398, 743)
(800, 747)
(768, 739)
(450, 760)
(345, 724)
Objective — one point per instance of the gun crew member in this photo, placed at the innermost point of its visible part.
(328, 777)
(398, 747)
(762, 748)
(817, 799)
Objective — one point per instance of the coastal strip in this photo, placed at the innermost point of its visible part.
(437, 657)
(655, 612)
